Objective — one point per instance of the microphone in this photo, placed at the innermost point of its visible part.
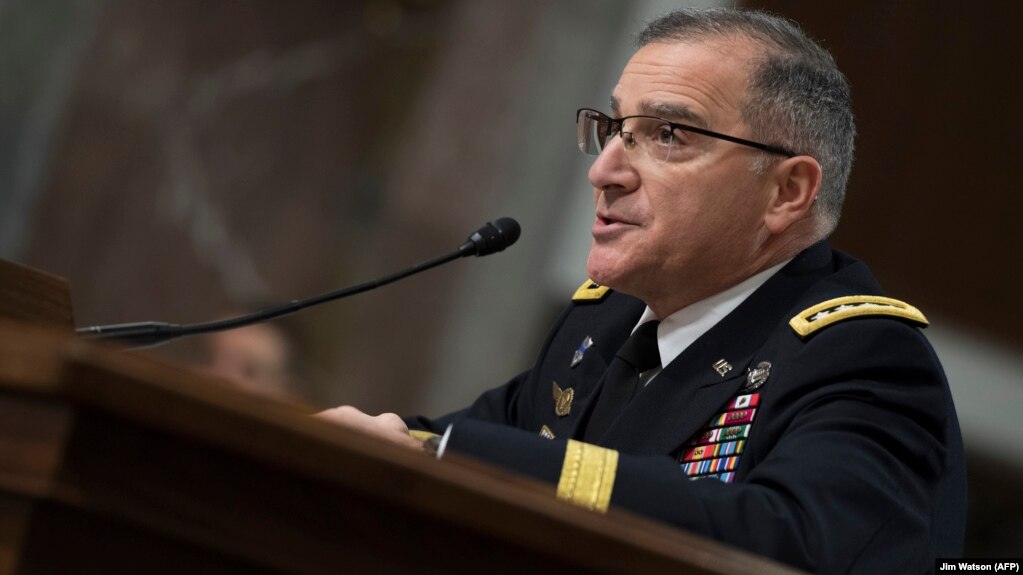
(493, 237)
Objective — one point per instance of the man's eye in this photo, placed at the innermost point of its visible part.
(664, 135)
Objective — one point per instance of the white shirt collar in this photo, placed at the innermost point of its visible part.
(680, 329)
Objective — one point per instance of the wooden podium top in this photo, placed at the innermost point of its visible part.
(150, 459)
(113, 462)
(32, 295)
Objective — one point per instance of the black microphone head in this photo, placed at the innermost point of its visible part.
(492, 237)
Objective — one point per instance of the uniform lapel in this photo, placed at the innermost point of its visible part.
(689, 391)
(682, 398)
(609, 325)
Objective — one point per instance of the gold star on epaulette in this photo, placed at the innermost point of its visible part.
(590, 291)
(817, 317)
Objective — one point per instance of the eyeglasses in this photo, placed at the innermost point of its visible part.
(660, 139)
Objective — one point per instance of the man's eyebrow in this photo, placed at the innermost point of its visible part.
(673, 112)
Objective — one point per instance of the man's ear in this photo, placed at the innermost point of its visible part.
(796, 183)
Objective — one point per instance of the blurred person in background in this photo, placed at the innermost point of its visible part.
(265, 358)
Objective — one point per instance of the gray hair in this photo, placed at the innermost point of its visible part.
(797, 98)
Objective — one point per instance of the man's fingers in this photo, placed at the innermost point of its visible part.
(387, 426)
(392, 420)
(343, 414)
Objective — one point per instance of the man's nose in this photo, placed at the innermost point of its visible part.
(612, 169)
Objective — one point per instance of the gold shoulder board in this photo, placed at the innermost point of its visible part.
(590, 291)
(835, 310)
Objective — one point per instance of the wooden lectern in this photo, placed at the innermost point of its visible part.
(114, 463)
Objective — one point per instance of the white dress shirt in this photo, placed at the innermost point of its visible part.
(680, 329)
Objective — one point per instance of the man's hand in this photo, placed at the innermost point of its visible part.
(385, 426)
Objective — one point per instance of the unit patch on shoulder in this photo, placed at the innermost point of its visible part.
(590, 291)
(835, 310)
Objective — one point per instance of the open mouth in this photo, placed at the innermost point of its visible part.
(607, 220)
(607, 227)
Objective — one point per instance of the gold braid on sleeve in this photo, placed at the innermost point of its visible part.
(588, 475)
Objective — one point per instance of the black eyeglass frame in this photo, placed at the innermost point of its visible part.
(615, 127)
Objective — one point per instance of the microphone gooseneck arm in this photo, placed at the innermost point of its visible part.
(491, 238)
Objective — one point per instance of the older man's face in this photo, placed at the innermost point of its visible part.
(673, 233)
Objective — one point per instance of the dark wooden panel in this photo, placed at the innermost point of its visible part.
(14, 518)
(128, 465)
(933, 203)
(31, 295)
(65, 539)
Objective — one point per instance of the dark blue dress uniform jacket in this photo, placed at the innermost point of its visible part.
(853, 463)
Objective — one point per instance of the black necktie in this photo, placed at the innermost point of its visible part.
(638, 354)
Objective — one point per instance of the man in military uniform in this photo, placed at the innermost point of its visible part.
(723, 369)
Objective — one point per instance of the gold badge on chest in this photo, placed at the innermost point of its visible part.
(562, 400)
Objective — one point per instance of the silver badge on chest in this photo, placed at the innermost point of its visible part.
(757, 377)
(722, 366)
(577, 357)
